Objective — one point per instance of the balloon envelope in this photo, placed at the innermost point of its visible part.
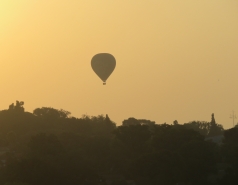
(103, 65)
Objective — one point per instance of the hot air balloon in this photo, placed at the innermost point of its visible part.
(103, 65)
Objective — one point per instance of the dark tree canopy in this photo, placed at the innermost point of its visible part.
(215, 129)
(49, 147)
(208, 129)
(18, 107)
(134, 121)
(51, 113)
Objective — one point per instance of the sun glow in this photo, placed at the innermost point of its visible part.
(11, 13)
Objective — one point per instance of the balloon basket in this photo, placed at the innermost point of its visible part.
(104, 83)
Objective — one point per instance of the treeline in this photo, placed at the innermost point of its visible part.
(49, 146)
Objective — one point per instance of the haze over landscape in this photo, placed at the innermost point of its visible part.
(176, 60)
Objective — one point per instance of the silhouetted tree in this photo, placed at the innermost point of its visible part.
(51, 113)
(134, 121)
(133, 136)
(175, 122)
(130, 121)
(18, 107)
(215, 129)
(82, 150)
(203, 127)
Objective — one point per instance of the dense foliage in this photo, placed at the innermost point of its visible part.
(49, 147)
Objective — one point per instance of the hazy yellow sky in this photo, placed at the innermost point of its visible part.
(176, 59)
